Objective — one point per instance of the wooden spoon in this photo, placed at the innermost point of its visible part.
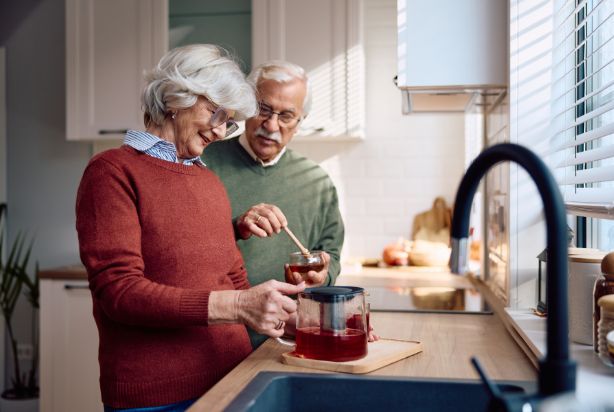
(302, 248)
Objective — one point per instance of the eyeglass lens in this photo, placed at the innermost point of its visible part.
(285, 118)
(231, 127)
(218, 117)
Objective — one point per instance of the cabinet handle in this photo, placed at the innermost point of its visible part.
(113, 131)
(68, 286)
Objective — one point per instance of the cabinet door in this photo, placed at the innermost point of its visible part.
(109, 44)
(69, 348)
(325, 38)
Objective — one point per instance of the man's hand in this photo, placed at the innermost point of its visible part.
(312, 278)
(262, 220)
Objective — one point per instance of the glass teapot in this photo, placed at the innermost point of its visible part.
(332, 323)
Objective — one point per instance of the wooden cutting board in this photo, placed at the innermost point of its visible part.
(381, 353)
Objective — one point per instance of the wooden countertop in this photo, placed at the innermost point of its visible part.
(74, 272)
(449, 340)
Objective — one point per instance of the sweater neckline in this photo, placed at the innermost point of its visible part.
(172, 166)
(253, 165)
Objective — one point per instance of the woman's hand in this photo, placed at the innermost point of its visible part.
(265, 308)
(312, 278)
(290, 328)
(262, 220)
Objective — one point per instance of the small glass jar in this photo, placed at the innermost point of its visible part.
(304, 263)
(605, 326)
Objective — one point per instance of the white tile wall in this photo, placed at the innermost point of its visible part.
(404, 161)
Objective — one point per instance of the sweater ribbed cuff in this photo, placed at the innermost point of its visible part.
(195, 305)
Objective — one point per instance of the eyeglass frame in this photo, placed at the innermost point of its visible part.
(271, 112)
(231, 125)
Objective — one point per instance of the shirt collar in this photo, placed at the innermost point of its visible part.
(154, 146)
(245, 144)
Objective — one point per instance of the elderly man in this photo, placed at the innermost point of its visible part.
(258, 169)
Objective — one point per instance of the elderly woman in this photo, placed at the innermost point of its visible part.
(170, 292)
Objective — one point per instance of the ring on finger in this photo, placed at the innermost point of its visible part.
(258, 220)
(280, 325)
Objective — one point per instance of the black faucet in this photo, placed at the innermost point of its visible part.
(557, 373)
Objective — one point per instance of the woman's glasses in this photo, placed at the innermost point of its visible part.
(219, 117)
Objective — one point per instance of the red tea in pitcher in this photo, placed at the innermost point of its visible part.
(355, 322)
(314, 343)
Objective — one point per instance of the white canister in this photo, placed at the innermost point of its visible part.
(584, 269)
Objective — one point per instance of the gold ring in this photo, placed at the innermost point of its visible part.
(280, 325)
(258, 220)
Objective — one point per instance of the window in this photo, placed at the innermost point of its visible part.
(583, 115)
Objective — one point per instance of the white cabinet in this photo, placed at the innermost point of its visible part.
(324, 37)
(69, 368)
(449, 51)
(109, 43)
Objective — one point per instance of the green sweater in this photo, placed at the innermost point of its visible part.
(299, 187)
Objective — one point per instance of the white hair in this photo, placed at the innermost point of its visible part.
(187, 72)
(282, 72)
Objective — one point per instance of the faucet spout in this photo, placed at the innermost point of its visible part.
(557, 373)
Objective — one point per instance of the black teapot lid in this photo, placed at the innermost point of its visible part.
(332, 293)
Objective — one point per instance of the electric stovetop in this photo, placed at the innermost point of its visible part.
(426, 299)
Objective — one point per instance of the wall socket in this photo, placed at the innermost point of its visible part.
(25, 351)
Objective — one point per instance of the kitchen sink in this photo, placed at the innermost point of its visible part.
(277, 391)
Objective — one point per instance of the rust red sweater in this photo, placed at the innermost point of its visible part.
(156, 238)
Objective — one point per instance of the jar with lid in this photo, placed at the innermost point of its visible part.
(605, 326)
(584, 270)
(604, 285)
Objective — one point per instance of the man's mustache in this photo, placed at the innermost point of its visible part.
(275, 136)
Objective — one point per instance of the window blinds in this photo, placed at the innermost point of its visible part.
(582, 122)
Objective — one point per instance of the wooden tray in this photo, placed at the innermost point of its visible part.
(381, 353)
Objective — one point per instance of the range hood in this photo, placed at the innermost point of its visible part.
(452, 55)
(449, 100)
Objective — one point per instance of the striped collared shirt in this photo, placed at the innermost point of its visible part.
(156, 147)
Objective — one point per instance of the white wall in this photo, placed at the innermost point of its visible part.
(404, 161)
(43, 169)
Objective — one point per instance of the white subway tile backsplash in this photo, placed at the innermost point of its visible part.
(387, 206)
(384, 168)
(363, 187)
(355, 206)
(400, 226)
(364, 226)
